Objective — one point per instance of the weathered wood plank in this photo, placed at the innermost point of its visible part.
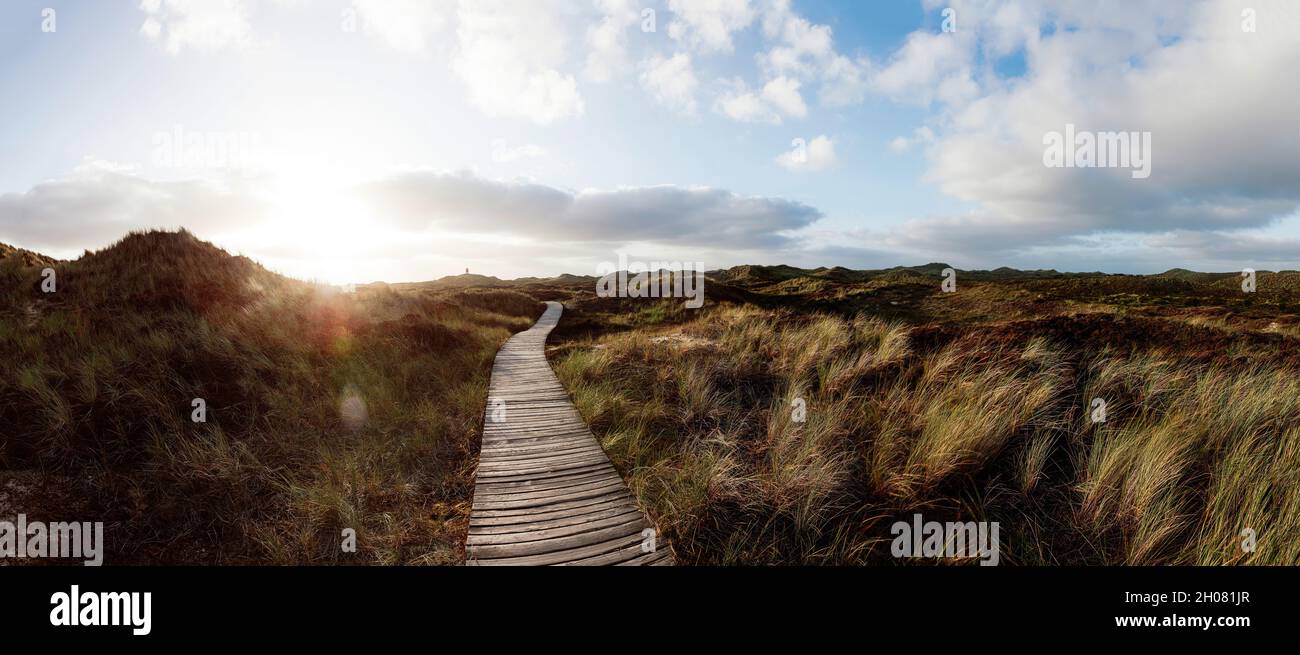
(564, 556)
(577, 519)
(525, 517)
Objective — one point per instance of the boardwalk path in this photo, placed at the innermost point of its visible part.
(545, 492)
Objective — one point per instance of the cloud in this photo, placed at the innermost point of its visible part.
(815, 156)
(920, 136)
(509, 55)
(801, 45)
(405, 25)
(708, 25)
(801, 54)
(924, 65)
(738, 103)
(806, 51)
(502, 152)
(431, 221)
(1231, 250)
(1180, 73)
(778, 99)
(693, 216)
(671, 82)
(783, 94)
(100, 203)
(197, 24)
(844, 81)
(607, 55)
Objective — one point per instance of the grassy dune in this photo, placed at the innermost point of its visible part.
(325, 410)
(974, 420)
(791, 421)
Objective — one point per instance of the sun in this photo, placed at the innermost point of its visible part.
(320, 225)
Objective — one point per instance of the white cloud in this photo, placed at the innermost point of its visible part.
(778, 99)
(151, 29)
(844, 81)
(783, 94)
(509, 54)
(197, 24)
(607, 55)
(802, 45)
(708, 25)
(671, 82)
(811, 157)
(502, 152)
(806, 51)
(738, 103)
(925, 61)
(920, 136)
(405, 25)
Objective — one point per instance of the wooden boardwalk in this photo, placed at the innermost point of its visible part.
(545, 492)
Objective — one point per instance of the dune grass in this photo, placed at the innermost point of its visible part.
(983, 426)
(324, 410)
(752, 435)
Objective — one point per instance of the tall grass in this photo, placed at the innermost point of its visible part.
(325, 410)
(1204, 454)
(983, 426)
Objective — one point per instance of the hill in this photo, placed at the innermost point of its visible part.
(24, 257)
(322, 410)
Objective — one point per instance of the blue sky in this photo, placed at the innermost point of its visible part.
(409, 139)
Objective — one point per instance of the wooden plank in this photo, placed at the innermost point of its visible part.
(577, 519)
(547, 476)
(531, 500)
(627, 553)
(538, 468)
(560, 494)
(561, 557)
(599, 539)
(524, 518)
(553, 533)
(508, 452)
(647, 559)
(585, 455)
(538, 449)
(614, 497)
(552, 483)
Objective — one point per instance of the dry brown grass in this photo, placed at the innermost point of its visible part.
(96, 382)
(983, 426)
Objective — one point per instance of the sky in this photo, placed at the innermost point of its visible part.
(402, 140)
